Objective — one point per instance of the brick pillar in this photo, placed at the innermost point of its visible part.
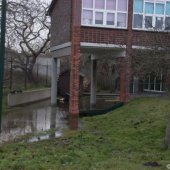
(125, 79)
(75, 58)
(125, 63)
(75, 77)
(122, 80)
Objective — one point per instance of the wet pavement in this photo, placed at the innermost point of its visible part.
(39, 117)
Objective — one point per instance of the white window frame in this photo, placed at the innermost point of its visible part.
(154, 15)
(105, 12)
(149, 85)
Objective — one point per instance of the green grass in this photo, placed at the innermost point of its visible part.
(4, 104)
(124, 139)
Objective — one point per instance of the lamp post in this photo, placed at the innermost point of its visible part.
(2, 51)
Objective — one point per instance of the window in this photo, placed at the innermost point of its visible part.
(121, 20)
(138, 21)
(148, 21)
(110, 19)
(99, 4)
(138, 6)
(151, 14)
(105, 13)
(88, 4)
(87, 17)
(167, 23)
(154, 83)
(99, 18)
(159, 23)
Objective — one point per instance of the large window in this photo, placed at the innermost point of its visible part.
(105, 13)
(154, 83)
(151, 14)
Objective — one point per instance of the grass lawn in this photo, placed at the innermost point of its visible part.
(124, 139)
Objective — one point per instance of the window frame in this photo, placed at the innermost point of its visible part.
(105, 12)
(154, 15)
(149, 89)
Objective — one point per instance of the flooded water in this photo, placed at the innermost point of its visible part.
(33, 119)
(39, 117)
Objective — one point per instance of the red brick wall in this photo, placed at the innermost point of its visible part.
(122, 36)
(75, 58)
(145, 38)
(61, 22)
(103, 35)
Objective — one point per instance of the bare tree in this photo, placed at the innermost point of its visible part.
(28, 31)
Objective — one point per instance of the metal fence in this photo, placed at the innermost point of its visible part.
(16, 79)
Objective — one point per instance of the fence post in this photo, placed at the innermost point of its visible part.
(37, 71)
(25, 81)
(47, 74)
(11, 75)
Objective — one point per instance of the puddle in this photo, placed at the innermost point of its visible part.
(33, 119)
(39, 117)
(45, 137)
(101, 103)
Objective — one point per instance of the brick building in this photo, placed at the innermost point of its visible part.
(110, 28)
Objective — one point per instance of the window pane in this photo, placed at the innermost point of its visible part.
(88, 3)
(111, 4)
(138, 21)
(152, 82)
(167, 23)
(110, 19)
(121, 20)
(158, 84)
(122, 5)
(99, 4)
(87, 17)
(148, 21)
(149, 8)
(163, 83)
(146, 84)
(159, 8)
(159, 23)
(167, 8)
(138, 6)
(99, 18)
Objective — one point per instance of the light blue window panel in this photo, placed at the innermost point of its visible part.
(159, 8)
(138, 6)
(167, 8)
(149, 8)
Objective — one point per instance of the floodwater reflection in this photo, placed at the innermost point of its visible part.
(33, 119)
(39, 117)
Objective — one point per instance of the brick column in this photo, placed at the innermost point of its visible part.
(125, 63)
(125, 79)
(75, 58)
(122, 74)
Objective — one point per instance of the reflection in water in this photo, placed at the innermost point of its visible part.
(33, 119)
(40, 117)
(45, 137)
(101, 103)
